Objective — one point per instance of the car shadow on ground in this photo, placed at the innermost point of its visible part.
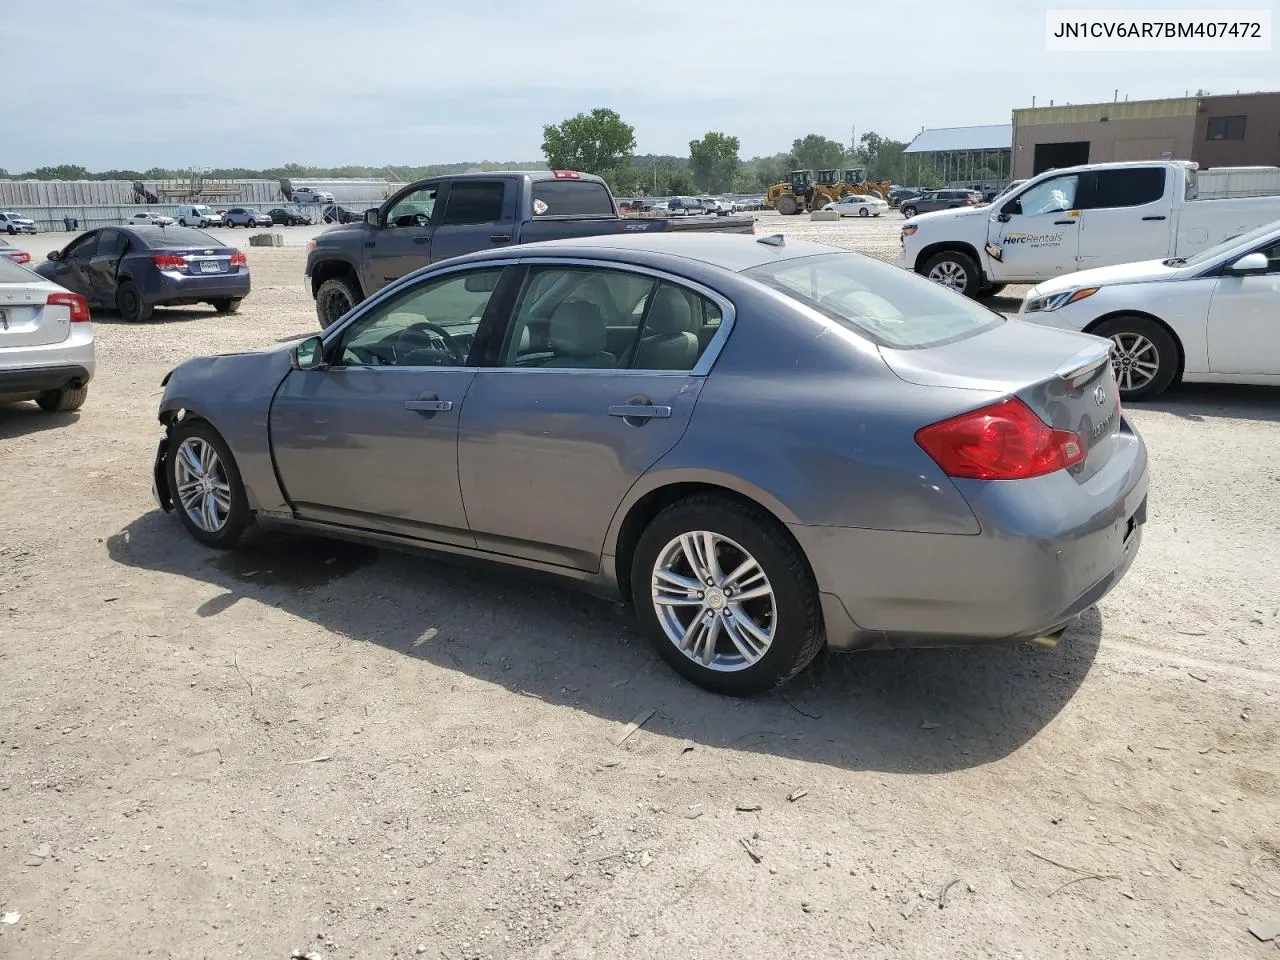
(1232, 401)
(909, 711)
(25, 418)
(159, 315)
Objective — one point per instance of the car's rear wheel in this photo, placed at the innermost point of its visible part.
(726, 596)
(226, 306)
(1144, 356)
(205, 485)
(334, 299)
(133, 309)
(64, 400)
(954, 270)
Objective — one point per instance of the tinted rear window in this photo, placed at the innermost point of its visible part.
(884, 303)
(571, 198)
(1129, 188)
(10, 272)
(164, 238)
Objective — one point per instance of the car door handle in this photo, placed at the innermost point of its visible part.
(426, 239)
(500, 237)
(429, 406)
(1154, 218)
(639, 411)
(1064, 223)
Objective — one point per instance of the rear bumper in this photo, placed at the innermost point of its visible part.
(167, 289)
(29, 381)
(1049, 549)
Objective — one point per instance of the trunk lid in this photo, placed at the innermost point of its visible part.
(25, 321)
(1065, 377)
(200, 261)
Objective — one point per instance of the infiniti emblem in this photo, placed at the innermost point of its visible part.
(1099, 395)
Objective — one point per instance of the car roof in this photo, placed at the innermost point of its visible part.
(730, 251)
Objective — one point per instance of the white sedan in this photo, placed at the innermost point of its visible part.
(1210, 318)
(859, 205)
(46, 341)
(151, 219)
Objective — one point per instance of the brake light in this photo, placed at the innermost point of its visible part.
(1004, 441)
(169, 261)
(20, 256)
(238, 259)
(78, 305)
(566, 174)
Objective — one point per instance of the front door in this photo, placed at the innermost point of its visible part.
(478, 214)
(101, 269)
(1037, 232)
(594, 381)
(402, 243)
(71, 269)
(1127, 217)
(371, 441)
(1244, 321)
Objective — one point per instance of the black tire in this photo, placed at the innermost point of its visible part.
(908, 212)
(64, 400)
(334, 299)
(239, 517)
(967, 276)
(864, 212)
(133, 309)
(12, 231)
(798, 633)
(786, 205)
(226, 306)
(1121, 331)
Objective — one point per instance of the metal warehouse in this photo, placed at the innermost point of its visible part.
(961, 153)
(1214, 131)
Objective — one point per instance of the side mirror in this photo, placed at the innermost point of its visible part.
(309, 354)
(373, 217)
(1249, 264)
(55, 255)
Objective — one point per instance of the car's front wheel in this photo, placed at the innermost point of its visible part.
(726, 596)
(908, 212)
(334, 299)
(1144, 356)
(955, 270)
(205, 486)
(63, 401)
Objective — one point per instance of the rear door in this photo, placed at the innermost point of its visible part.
(593, 380)
(1127, 216)
(478, 214)
(102, 266)
(1036, 234)
(403, 243)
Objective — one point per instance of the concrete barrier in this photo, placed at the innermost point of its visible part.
(825, 215)
(266, 240)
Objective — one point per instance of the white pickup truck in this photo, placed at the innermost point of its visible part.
(1076, 218)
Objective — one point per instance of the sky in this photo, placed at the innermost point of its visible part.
(135, 84)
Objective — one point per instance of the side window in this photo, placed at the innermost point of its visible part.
(1273, 257)
(1225, 128)
(430, 325)
(472, 201)
(1128, 188)
(83, 248)
(577, 318)
(1054, 195)
(677, 328)
(111, 243)
(413, 209)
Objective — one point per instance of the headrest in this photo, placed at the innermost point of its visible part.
(577, 330)
(669, 315)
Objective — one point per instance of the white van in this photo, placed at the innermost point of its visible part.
(198, 215)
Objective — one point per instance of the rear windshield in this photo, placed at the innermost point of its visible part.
(166, 238)
(10, 272)
(886, 304)
(571, 198)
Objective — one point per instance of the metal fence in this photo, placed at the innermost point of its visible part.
(89, 217)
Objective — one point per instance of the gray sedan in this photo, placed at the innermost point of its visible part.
(768, 446)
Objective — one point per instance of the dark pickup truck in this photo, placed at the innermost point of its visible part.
(449, 216)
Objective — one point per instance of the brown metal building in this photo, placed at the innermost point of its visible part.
(1239, 130)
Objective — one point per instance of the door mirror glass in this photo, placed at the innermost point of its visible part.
(373, 217)
(309, 354)
(1250, 263)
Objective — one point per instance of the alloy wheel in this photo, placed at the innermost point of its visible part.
(203, 487)
(949, 274)
(714, 601)
(1135, 360)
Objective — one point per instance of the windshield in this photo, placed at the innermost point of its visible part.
(1217, 250)
(884, 303)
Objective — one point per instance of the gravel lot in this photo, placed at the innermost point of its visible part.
(317, 747)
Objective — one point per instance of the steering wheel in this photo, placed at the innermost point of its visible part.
(417, 329)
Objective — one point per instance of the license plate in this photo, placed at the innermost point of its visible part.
(209, 266)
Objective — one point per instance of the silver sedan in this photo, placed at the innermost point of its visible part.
(768, 446)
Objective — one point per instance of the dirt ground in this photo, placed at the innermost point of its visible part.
(317, 747)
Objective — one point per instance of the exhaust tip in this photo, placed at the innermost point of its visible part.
(1047, 642)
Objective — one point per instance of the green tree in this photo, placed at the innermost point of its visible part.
(64, 171)
(816, 152)
(881, 157)
(594, 142)
(714, 160)
(679, 184)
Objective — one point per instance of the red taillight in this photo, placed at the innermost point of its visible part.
(169, 261)
(238, 259)
(78, 305)
(1005, 441)
(21, 256)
